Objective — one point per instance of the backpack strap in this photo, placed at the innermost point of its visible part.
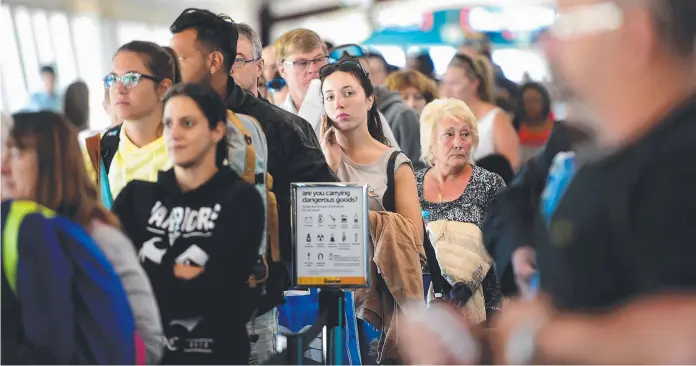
(94, 151)
(10, 236)
(389, 203)
(272, 220)
(389, 200)
(249, 173)
(101, 151)
(109, 145)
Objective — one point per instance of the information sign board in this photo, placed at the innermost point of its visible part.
(330, 228)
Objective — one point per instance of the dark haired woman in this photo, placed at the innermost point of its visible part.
(354, 144)
(43, 165)
(197, 230)
(141, 72)
(357, 150)
(533, 120)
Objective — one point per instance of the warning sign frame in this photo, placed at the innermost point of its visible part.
(330, 235)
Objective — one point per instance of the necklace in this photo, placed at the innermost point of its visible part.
(441, 191)
(440, 194)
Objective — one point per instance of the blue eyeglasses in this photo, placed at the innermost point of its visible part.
(129, 79)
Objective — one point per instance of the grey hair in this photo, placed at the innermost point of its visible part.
(675, 22)
(246, 31)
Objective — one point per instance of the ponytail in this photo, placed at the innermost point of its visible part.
(161, 62)
(176, 72)
(477, 68)
(486, 89)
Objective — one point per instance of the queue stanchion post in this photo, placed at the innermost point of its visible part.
(295, 350)
(331, 301)
(330, 232)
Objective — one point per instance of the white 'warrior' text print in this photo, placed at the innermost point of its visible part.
(177, 222)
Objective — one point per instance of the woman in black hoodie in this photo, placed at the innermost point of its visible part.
(197, 231)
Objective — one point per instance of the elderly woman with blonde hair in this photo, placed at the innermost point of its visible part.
(451, 189)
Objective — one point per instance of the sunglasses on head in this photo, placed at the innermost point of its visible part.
(129, 79)
(276, 84)
(346, 50)
(346, 65)
(469, 62)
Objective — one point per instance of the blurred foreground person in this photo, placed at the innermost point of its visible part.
(651, 330)
(62, 301)
(614, 218)
(45, 166)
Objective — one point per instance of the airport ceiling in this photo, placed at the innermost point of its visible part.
(162, 11)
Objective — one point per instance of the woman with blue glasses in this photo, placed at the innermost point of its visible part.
(141, 72)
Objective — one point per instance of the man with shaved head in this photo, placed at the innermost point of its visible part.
(614, 235)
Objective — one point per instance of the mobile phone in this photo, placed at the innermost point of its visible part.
(329, 124)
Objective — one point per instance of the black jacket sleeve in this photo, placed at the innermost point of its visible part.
(662, 220)
(244, 220)
(291, 158)
(298, 162)
(511, 215)
(306, 129)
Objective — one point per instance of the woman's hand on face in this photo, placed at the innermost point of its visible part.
(329, 145)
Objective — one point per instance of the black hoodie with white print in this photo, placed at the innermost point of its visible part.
(198, 248)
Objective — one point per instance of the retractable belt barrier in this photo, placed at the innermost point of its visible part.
(331, 316)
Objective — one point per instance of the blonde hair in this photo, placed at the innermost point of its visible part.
(434, 113)
(300, 40)
(477, 67)
(400, 80)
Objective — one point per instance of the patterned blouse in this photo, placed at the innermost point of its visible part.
(470, 207)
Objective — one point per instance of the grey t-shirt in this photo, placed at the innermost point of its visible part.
(374, 175)
(120, 252)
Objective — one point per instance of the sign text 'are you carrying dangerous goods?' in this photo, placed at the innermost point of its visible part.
(331, 235)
